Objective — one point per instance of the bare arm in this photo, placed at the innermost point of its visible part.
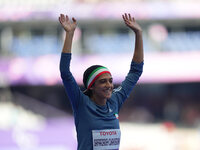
(69, 28)
(138, 56)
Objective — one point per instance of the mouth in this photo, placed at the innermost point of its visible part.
(108, 91)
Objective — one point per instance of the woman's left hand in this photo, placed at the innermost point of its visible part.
(131, 23)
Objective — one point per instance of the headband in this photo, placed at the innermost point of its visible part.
(95, 74)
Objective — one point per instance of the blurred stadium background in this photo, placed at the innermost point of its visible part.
(163, 111)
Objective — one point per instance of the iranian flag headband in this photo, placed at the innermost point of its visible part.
(95, 74)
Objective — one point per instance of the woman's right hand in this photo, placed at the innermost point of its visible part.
(66, 24)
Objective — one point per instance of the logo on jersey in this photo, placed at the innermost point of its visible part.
(116, 115)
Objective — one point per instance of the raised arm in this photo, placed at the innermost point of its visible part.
(69, 28)
(71, 87)
(135, 27)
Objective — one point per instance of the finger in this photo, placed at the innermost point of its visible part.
(126, 16)
(123, 17)
(62, 18)
(73, 19)
(61, 15)
(67, 18)
(130, 17)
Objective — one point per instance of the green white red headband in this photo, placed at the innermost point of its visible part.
(95, 74)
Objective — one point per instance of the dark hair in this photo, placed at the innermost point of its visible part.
(88, 92)
(86, 74)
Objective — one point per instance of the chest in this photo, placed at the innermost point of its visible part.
(97, 118)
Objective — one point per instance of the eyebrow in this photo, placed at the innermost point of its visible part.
(105, 79)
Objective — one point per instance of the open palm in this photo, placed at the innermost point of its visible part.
(67, 25)
(131, 23)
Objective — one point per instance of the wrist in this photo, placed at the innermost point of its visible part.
(138, 31)
(69, 33)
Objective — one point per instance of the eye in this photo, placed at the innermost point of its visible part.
(102, 81)
(111, 80)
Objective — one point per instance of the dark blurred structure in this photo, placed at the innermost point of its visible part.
(148, 103)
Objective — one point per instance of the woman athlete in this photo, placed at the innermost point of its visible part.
(96, 109)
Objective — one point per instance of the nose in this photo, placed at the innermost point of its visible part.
(108, 84)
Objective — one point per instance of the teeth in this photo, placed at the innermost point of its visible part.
(107, 91)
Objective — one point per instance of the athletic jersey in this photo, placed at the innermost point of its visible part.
(97, 126)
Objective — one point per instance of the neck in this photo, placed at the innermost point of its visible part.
(98, 101)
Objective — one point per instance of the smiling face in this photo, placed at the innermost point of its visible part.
(103, 87)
